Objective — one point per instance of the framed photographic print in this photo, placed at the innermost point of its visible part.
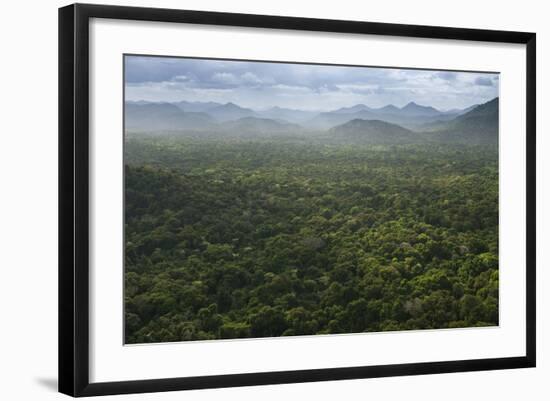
(250, 199)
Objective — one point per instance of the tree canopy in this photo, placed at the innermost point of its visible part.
(280, 237)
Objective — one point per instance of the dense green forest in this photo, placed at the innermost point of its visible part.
(232, 238)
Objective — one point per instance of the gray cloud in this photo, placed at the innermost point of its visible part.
(305, 86)
(446, 75)
(484, 81)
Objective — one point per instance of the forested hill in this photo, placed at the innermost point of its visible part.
(479, 126)
(373, 131)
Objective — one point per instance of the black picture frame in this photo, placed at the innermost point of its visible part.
(74, 198)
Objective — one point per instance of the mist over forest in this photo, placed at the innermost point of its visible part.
(474, 125)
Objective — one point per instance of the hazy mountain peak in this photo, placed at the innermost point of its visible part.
(415, 108)
(389, 108)
(352, 109)
(229, 111)
(414, 105)
(230, 106)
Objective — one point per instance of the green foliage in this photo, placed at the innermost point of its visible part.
(276, 237)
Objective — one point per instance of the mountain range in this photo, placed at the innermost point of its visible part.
(412, 115)
(477, 124)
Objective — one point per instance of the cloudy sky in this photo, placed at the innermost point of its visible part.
(260, 85)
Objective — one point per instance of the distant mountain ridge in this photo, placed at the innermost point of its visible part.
(230, 111)
(412, 115)
(352, 109)
(389, 109)
(477, 124)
